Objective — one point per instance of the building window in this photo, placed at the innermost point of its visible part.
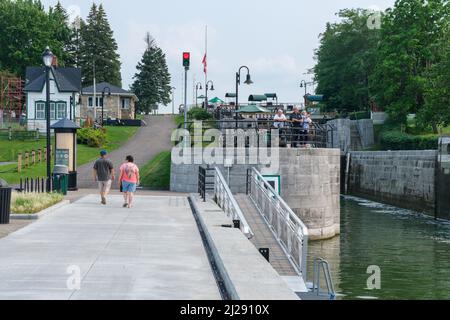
(52, 110)
(125, 103)
(40, 110)
(61, 110)
(99, 101)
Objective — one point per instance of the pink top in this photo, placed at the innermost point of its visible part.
(129, 172)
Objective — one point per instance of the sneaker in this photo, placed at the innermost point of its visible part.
(125, 205)
(103, 200)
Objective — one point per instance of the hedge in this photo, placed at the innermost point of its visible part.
(199, 114)
(91, 137)
(396, 140)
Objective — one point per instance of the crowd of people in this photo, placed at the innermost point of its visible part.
(299, 122)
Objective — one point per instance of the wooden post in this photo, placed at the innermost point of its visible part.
(39, 155)
(27, 159)
(45, 154)
(19, 162)
(33, 157)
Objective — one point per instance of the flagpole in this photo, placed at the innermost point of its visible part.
(206, 69)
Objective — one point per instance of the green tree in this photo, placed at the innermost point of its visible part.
(345, 60)
(436, 110)
(98, 49)
(152, 81)
(406, 56)
(26, 29)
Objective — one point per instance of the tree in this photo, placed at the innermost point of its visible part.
(436, 111)
(26, 29)
(98, 49)
(345, 60)
(406, 56)
(73, 48)
(152, 81)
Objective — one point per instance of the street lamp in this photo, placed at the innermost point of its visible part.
(47, 58)
(206, 92)
(304, 84)
(103, 98)
(173, 99)
(248, 81)
(198, 86)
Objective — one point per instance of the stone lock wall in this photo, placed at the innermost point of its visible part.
(402, 178)
(310, 185)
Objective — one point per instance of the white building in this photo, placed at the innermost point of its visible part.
(65, 88)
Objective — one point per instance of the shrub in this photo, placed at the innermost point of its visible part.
(199, 114)
(396, 140)
(92, 137)
(29, 203)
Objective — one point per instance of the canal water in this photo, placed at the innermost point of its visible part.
(411, 250)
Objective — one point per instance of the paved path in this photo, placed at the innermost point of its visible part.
(153, 251)
(144, 146)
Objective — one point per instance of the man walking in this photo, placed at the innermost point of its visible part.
(103, 173)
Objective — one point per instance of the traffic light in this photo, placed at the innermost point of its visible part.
(186, 59)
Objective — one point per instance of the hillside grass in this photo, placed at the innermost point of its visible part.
(155, 175)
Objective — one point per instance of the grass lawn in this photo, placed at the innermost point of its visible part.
(29, 203)
(155, 175)
(116, 136)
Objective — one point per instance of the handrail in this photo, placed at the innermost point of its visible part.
(225, 200)
(318, 264)
(290, 232)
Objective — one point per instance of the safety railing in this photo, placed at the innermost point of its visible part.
(316, 136)
(321, 264)
(286, 226)
(226, 201)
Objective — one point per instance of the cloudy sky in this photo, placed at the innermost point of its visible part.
(275, 39)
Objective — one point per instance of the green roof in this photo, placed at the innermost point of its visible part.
(271, 95)
(230, 95)
(314, 98)
(253, 108)
(257, 97)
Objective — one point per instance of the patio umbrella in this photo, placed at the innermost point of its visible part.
(216, 100)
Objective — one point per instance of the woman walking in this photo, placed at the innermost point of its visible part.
(128, 180)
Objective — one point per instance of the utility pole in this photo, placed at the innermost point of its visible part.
(95, 97)
(186, 64)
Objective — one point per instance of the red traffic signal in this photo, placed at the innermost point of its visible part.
(186, 59)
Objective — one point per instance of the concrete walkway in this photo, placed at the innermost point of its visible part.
(153, 251)
(144, 146)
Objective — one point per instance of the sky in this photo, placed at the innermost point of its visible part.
(275, 39)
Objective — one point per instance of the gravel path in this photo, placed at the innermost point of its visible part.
(144, 146)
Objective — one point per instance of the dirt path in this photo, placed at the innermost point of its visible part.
(144, 146)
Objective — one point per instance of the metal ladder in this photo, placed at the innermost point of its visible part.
(319, 264)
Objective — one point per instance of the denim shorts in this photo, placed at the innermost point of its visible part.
(128, 186)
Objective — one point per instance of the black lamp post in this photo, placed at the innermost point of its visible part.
(103, 98)
(248, 81)
(304, 84)
(47, 58)
(207, 87)
(198, 86)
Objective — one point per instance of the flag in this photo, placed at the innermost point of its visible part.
(204, 64)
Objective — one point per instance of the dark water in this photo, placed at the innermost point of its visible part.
(411, 250)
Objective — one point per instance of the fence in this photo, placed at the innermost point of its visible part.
(30, 158)
(285, 225)
(317, 136)
(18, 134)
(34, 185)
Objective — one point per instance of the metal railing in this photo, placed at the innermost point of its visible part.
(290, 232)
(319, 264)
(210, 179)
(226, 201)
(317, 136)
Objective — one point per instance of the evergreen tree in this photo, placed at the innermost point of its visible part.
(73, 48)
(152, 81)
(98, 49)
(62, 31)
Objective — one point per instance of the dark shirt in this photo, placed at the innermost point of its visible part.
(103, 168)
(297, 116)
